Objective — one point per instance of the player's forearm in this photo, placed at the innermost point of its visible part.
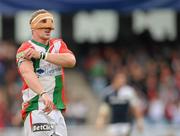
(63, 59)
(100, 122)
(32, 81)
(103, 114)
(139, 118)
(138, 113)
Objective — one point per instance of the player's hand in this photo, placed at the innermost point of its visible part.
(49, 105)
(31, 53)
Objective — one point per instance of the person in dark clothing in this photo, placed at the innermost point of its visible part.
(120, 102)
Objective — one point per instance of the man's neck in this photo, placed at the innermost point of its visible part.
(45, 42)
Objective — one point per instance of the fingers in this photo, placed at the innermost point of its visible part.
(48, 103)
(48, 108)
(28, 54)
(31, 53)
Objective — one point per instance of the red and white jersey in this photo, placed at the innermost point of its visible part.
(51, 76)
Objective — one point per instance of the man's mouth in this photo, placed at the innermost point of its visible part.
(47, 33)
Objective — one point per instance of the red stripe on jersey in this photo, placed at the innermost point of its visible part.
(24, 86)
(50, 48)
(30, 119)
(22, 48)
(51, 45)
(64, 48)
(23, 111)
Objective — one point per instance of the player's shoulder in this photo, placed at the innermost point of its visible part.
(56, 40)
(25, 45)
(128, 87)
(128, 90)
(59, 43)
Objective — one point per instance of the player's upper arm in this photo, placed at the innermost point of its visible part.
(23, 64)
(104, 109)
(20, 52)
(68, 53)
(25, 67)
(134, 99)
(64, 48)
(131, 95)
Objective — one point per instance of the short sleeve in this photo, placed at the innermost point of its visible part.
(64, 48)
(130, 95)
(20, 52)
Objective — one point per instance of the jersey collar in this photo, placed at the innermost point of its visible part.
(40, 44)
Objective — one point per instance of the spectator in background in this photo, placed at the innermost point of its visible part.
(10, 107)
(97, 70)
(113, 61)
(12, 86)
(7, 57)
(137, 74)
(4, 110)
(120, 102)
(156, 110)
(176, 113)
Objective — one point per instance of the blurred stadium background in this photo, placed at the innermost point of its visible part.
(105, 35)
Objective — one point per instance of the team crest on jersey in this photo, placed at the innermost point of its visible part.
(41, 127)
(40, 71)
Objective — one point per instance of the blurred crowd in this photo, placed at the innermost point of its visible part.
(154, 72)
(10, 86)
